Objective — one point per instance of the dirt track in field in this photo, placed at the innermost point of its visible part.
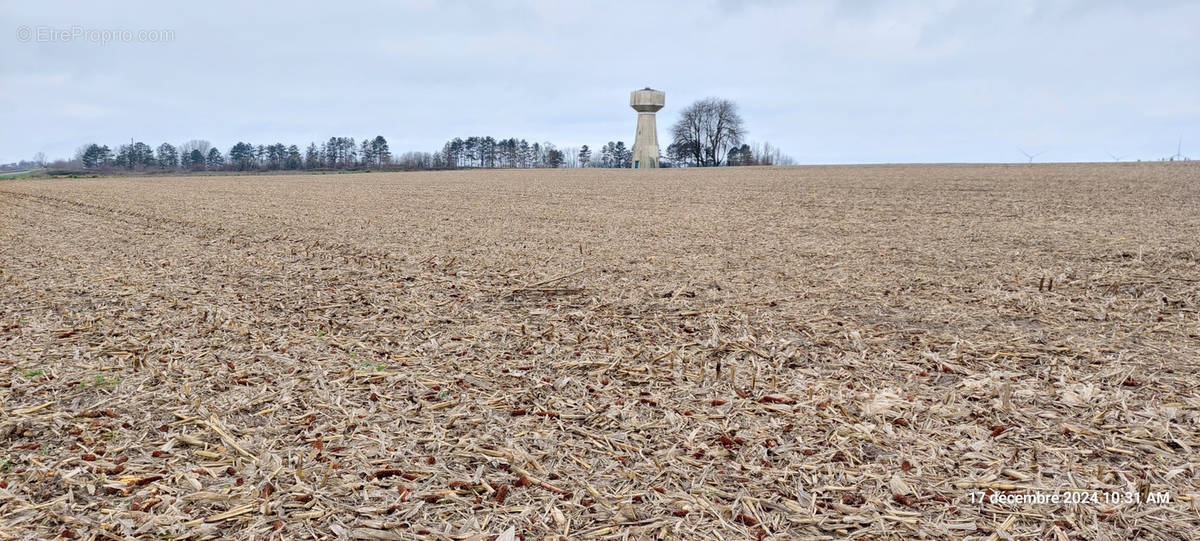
(809, 352)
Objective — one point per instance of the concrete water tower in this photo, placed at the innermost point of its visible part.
(646, 102)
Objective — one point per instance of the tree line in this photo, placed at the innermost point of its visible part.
(709, 133)
(200, 155)
(341, 153)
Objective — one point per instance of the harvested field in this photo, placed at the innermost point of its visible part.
(785, 353)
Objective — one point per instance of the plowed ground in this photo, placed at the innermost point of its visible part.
(809, 352)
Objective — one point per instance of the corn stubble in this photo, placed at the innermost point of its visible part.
(811, 352)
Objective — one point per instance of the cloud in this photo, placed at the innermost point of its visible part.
(851, 81)
(83, 111)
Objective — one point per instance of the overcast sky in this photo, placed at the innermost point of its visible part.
(835, 82)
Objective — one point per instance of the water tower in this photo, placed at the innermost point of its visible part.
(646, 102)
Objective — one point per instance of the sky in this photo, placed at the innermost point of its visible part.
(827, 82)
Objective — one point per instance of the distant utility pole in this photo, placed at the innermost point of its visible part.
(1178, 150)
(1030, 156)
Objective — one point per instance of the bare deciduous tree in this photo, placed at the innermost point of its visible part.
(706, 130)
(195, 144)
